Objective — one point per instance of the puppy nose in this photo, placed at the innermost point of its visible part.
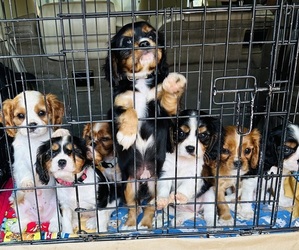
(61, 163)
(237, 164)
(190, 149)
(32, 126)
(144, 44)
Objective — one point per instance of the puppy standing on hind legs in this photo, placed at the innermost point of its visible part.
(28, 118)
(143, 91)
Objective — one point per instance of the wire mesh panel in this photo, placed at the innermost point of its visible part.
(239, 59)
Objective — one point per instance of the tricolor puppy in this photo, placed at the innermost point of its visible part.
(181, 180)
(98, 136)
(80, 186)
(239, 156)
(285, 152)
(29, 119)
(145, 97)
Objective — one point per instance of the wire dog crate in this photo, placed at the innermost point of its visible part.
(240, 59)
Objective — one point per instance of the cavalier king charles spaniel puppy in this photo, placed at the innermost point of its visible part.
(30, 118)
(145, 97)
(239, 156)
(98, 136)
(284, 152)
(81, 188)
(181, 180)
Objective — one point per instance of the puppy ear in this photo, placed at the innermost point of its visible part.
(41, 163)
(256, 138)
(86, 130)
(7, 118)
(113, 69)
(56, 109)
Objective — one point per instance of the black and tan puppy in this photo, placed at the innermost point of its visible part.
(145, 96)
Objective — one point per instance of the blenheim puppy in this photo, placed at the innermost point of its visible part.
(285, 152)
(81, 188)
(98, 136)
(239, 156)
(181, 180)
(144, 93)
(29, 119)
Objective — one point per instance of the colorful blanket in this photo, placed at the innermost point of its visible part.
(266, 219)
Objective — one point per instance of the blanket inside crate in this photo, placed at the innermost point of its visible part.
(284, 219)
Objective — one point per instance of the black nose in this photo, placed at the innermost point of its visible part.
(61, 163)
(190, 149)
(144, 44)
(237, 164)
(32, 126)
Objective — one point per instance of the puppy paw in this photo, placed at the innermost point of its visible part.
(125, 140)
(162, 202)
(127, 128)
(229, 222)
(91, 223)
(174, 83)
(285, 202)
(246, 212)
(27, 183)
(181, 198)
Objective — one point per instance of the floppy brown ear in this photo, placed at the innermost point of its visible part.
(256, 138)
(55, 108)
(86, 130)
(7, 119)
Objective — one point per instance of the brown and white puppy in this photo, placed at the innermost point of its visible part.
(98, 136)
(30, 118)
(145, 97)
(239, 155)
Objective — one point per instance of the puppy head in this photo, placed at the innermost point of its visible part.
(290, 150)
(136, 49)
(240, 152)
(32, 109)
(98, 138)
(61, 157)
(195, 136)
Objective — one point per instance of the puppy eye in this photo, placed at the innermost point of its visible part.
(127, 41)
(225, 151)
(41, 113)
(247, 151)
(203, 136)
(21, 116)
(182, 134)
(288, 150)
(104, 139)
(152, 36)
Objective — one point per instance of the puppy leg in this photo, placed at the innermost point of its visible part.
(225, 217)
(130, 201)
(284, 201)
(66, 220)
(148, 215)
(209, 208)
(173, 87)
(127, 120)
(247, 193)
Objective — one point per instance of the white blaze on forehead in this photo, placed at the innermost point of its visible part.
(237, 139)
(193, 124)
(97, 127)
(32, 98)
